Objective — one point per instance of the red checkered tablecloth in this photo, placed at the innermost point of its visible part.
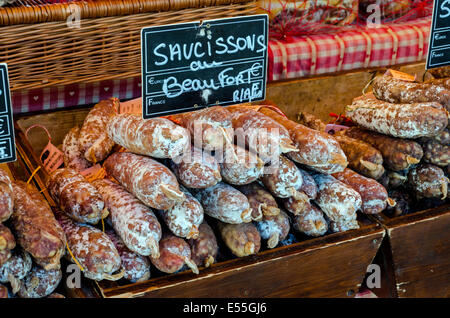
(292, 58)
(319, 54)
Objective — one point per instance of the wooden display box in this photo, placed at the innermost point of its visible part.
(415, 255)
(330, 266)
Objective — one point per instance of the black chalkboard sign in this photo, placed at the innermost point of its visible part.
(189, 66)
(439, 47)
(7, 143)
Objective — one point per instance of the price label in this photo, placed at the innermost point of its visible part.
(439, 47)
(7, 141)
(400, 75)
(189, 66)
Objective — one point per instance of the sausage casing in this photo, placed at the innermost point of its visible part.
(35, 226)
(135, 223)
(93, 139)
(154, 137)
(150, 181)
(76, 196)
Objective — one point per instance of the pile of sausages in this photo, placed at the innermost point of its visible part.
(31, 242)
(401, 139)
(176, 191)
(179, 191)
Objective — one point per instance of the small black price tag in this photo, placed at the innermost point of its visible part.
(189, 66)
(7, 142)
(439, 46)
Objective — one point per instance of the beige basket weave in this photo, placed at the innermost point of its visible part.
(41, 50)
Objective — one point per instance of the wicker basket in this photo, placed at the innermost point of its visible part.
(41, 50)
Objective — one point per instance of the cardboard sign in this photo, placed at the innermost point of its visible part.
(439, 48)
(7, 141)
(189, 66)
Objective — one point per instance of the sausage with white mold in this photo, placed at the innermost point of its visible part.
(204, 248)
(150, 181)
(261, 134)
(92, 249)
(154, 137)
(6, 196)
(76, 196)
(283, 179)
(242, 239)
(16, 268)
(309, 186)
(73, 156)
(40, 283)
(35, 227)
(373, 195)
(210, 128)
(136, 267)
(175, 252)
(199, 171)
(261, 202)
(93, 140)
(240, 166)
(274, 229)
(184, 219)
(310, 222)
(316, 149)
(398, 120)
(225, 203)
(134, 222)
(393, 90)
(336, 199)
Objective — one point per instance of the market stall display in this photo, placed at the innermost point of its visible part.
(227, 209)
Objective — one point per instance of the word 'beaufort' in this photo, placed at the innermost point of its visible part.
(172, 88)
(197, 50)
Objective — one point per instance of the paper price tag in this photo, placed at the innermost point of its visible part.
(400, 75)
(94, 173)
(51, 157)
(133, 106)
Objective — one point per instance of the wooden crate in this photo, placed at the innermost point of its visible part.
(329, 266)
(417, 254)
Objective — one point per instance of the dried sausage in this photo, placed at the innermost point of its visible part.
(135, 223)
(225, 203)
(154, 137)
(78, 198)
(35, 227)
(150, 181)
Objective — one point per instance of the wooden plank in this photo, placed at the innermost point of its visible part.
(311, 270)
(421, 256)
(419, 252)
